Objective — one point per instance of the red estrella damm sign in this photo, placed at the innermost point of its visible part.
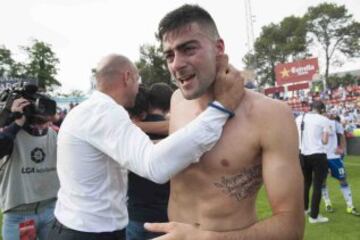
(298, 71)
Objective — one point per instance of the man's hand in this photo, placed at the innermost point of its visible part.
(229, 84)
(18, 106)
(175, 231)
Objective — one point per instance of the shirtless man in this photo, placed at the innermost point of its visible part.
(215, 198)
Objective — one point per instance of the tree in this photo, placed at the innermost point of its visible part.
(6, 61)
(8, 66)
(42, 65)
(152, 66)
(277, 43)
(335, 81)
(335, 30)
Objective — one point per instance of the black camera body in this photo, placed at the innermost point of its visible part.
(40, 105)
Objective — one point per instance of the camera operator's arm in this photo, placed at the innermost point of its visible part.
(7, 135)
(18, 108)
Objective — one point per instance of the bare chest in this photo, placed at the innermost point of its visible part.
(233, 164)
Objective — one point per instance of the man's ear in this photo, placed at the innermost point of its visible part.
(220, 46)
(126, 78)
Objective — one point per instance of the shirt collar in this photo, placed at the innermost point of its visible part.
(97, 94)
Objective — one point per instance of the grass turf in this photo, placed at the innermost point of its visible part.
(341, 225)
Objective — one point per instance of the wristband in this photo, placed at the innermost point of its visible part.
(221, 108)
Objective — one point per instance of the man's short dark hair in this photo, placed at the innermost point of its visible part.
(160, 96)
(185, 15)
(141, 103)
(318, 106)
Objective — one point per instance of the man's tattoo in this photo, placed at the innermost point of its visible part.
(243, 185)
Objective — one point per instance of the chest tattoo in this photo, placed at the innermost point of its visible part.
(243, 185)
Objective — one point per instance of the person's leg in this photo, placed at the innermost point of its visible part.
(325, 193)
(307, 172)
(44, 219)
(10, 225)
(326, 197)
(338, 172)
(320, 167)
(346, 192)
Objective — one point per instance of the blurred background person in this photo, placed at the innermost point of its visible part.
(148, 201)
(29, 182)
(335, 152)
(313, 131)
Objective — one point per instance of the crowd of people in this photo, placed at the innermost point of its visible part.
(136, 163)
(344, 102)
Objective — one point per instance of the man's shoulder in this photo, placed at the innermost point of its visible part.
(176, 96)
(261, 106)
(322, 119)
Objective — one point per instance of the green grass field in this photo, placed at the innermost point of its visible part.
(341, 225)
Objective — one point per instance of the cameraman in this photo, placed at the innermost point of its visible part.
(28, 179)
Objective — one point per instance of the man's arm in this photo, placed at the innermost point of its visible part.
(160, 127)
(283, 183)
(7, 134)
(325, 138)
(340, 134)
(282, 177)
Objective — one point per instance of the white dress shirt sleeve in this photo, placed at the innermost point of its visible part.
(123, 141)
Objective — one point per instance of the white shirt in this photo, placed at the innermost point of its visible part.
(98, 143)
(314, 127)
(335, 128)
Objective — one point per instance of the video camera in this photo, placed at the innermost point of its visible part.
(40, 105)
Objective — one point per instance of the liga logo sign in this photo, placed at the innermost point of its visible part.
(303, 70)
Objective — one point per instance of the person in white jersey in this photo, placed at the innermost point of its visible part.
(335, 151)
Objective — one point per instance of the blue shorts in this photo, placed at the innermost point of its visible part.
(337, 169)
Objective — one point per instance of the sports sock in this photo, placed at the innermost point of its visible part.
(325, 195)
(346, 191)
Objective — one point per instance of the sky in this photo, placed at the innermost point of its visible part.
(81, 32)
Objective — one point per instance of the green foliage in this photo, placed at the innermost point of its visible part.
(276, 44)
(152, 66)
(335, 81)
(6, 61)
(335, 30)
(42, 64)
(317, 86)
(8, 66)
(329, 25)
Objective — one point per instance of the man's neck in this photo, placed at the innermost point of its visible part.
(204, 100)
(118, 98)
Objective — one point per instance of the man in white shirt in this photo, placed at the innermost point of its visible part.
(98, 144)
(313, 131)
